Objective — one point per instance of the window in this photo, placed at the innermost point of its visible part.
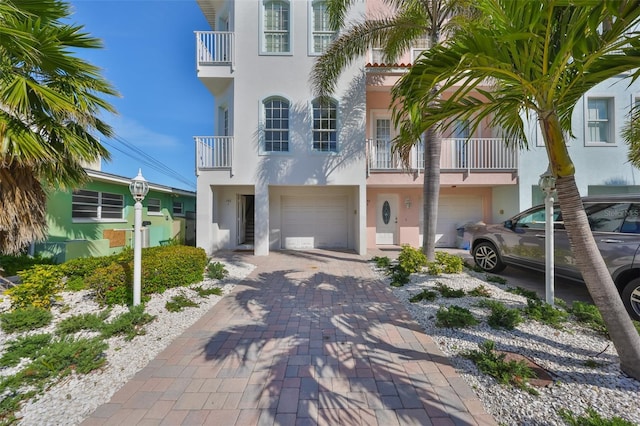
(96, 205)
(178, 208)
(537, 219)
(321, 34)
(276, 27)
(606, 217)
(153, 206)
(276, 125)
(325, 135)
(382, 158)
(599, 120)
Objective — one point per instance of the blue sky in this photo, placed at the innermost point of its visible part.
(149, 56)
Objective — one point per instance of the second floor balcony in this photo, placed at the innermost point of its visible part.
(215, 48)
(214, 152)
(458, 154)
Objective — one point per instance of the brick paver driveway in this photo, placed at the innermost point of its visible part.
(308, 338)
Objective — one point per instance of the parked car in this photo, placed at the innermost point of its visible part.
(520, 241)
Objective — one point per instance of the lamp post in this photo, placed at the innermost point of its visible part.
(139, 188)
(548, 185)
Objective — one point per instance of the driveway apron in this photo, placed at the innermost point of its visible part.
(307, 338)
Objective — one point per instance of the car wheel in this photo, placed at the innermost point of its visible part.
(486, 257)
(631, 298)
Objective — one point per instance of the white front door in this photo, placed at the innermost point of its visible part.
(387, 219)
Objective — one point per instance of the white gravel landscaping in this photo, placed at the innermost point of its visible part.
(561, 352)
(77, 396)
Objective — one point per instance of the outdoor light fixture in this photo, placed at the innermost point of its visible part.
(548, 185)
(139, 188)
(407, 202)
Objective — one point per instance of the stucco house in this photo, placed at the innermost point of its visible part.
(285, 171)
(97, 219)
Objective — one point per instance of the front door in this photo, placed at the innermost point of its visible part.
(387, 219)
(241, 218)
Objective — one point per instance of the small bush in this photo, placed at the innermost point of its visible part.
(204, 292)
(130, 324)
(75, 284)
(496, 279)
(411, 259)
(111, 284)
(217, 271)
(425, 294)
(11, 265)
(399, 276)
(493, 363)
(165, 267)
(591, 418)
(529, 294)
(23, 347)
(451, 263)
(179, 302)
(87, 321)
(61, 357)
(381, 262)
(84, 266)
(447, 291)
(501, 316)
(454, 317)
(545, 313)
(589, 315)
(40, 287)
(25, 319)
(479, 291)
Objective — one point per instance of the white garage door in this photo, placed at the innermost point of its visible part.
(454, 211)
(314, 222)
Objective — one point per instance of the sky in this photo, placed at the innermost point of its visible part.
(149, 57)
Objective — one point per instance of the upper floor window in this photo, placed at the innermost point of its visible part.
(321, 34)
(96, 205)
(599, 120)
(276, 125)
(325, 135)
(178, 208)
(154, 206)
(276, 27)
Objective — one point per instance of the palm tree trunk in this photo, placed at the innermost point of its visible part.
(431, 190)
(597, 278)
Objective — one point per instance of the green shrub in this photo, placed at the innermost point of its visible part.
(171, 266)
(589, 315)
(204, 292)
(111, 284)
(217, 271)
(88, 321)
(545, 313)
(63, 356)
(382, 262)
(479, 291)
(23, 347)
(25, 319)
(591, 418)
(454, 317)
(39, 286)
(496, 279)
(451, 263)
(130, 324)
(11, 265)
(399, 276)
(75, 284)
(423, 295)
(179, 302)
(529, 294)
(493, 363)
(85, 266)
(501, 316)
(447, 291)
(411, 260)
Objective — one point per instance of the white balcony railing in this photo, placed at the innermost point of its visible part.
(214, 152)
(215, 47)
(457, 154)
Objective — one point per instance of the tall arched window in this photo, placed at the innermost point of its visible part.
(325, 118)
(276, 125)
(321, 34)
(276, 27)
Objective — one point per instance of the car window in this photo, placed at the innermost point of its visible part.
(536, 219)
(606, 217)
(631, 223)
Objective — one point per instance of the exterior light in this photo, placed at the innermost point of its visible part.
(139, 188)
(548, 185)
(407, 202)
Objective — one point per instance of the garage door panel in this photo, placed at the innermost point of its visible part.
(314, 222)
(452, 212)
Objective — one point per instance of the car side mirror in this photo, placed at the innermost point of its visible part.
(508, 224)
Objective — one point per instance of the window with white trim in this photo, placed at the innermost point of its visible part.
(154, 206)
(276, 27)
(599, 121)
(178, 208)
(321, 34)
(276, 125)
(96, 205)
(325, 134)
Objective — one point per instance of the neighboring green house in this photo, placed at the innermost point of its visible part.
(97, 220)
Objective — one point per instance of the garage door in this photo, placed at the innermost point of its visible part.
(452, 212)
(314, 222)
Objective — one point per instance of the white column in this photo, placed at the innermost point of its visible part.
(549, 249)
(137, 253)
(261, 244)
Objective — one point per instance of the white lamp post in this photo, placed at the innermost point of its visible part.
(139, 188)
(548, 185)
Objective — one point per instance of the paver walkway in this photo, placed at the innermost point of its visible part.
(308, 338)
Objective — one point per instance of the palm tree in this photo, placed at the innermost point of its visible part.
(541, 57)
(50, 102)
(394, 34)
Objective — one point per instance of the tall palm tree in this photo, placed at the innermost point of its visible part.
(50, 102)
(541, 57)
(394, 34)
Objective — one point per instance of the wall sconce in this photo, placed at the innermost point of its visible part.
(368, 201)
(228, 202)
(407, 202)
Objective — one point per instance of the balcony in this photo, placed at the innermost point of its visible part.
(474, 154)
(215, 59)
(214, 152)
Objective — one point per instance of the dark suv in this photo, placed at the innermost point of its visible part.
(519, 241)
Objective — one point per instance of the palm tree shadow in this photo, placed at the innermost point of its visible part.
(316, 343)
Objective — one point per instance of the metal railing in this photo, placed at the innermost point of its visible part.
(457, 154)
(214, 152)
(215, 47)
